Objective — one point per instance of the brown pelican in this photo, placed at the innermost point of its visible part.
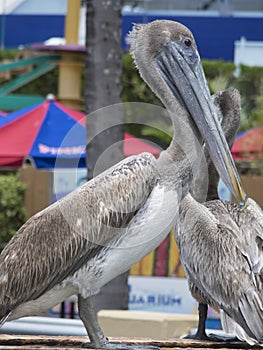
(99, 231)
(227, 105)
(221, 248)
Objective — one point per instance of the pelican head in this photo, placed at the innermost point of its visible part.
(166, 55)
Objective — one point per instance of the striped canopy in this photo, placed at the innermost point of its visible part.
(51, 135)
(248, 145)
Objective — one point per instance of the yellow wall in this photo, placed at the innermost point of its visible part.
(146, 266)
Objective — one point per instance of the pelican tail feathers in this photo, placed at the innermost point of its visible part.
(5, 316)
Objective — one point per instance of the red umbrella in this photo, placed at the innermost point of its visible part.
(248, 145)
(39, 132)
(132, 145)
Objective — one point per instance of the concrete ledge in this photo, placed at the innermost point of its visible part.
(26, 342)
(115, 323)
(128, 323)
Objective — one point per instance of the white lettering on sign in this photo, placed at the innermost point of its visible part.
(44, 149)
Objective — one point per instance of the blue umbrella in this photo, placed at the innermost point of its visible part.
(49, 133)
(52, 135)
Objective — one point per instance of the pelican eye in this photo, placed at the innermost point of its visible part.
(187, 42)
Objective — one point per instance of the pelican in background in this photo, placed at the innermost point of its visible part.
(220, 246)
(227, 104)
(99, 231)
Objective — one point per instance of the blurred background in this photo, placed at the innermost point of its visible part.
(62, 60)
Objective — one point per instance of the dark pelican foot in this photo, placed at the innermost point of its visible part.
(212, 337)
(201, 333)
(222, 338)
(120, 346)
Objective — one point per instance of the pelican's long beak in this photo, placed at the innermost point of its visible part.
(186, 80)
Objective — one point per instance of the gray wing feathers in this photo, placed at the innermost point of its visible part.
(244, 304)
(242, 266)
(57, 241)
(228, 276)
(248, 314)
(251, 309)
(231, 327)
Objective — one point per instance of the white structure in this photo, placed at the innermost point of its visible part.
(33, 7)
(249, 53)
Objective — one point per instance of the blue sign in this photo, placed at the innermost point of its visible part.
(160, 294)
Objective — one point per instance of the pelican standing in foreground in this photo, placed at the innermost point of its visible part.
(220, 246)
(81, 242)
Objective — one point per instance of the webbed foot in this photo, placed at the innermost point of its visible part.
(222, 338)
(212, 337)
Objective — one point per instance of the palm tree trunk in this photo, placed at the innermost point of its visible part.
(103, 88)
(103, 83)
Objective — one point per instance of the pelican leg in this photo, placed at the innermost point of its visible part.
(202, 310)
(201, 333)
(88, 315)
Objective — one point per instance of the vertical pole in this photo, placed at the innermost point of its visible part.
(223, 6)
(71, 31)
(69, 85)
(3, 24)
